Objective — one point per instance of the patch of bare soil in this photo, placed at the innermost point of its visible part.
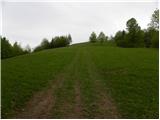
(78, 106)
(71, 109)
(40, 106)
(107, 108)
(105, 104)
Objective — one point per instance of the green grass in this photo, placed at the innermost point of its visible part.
(128, 75)
(23, 75)
(131, 74)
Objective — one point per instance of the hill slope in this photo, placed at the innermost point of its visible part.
(81, 81)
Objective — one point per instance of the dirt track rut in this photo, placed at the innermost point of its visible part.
(50, 103)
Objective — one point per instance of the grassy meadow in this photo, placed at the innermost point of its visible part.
(88, 75)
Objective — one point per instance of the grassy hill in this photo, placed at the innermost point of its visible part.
(81, 81)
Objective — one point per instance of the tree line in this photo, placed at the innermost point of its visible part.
(134, 36)
(58, 41)
(8, 50)
(101, 37)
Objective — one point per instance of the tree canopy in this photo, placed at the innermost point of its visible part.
(93, 37)
(57, 41)
(135, 37)
(7, 50)
(101, 38)
(155, 20)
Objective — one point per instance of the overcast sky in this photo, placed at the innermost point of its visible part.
(30, 22)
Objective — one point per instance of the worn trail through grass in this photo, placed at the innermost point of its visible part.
(82, 81)
(77, 92)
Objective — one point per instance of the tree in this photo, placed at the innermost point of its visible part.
(101, 37)
(135, 37)
(134, 34)
(106, 39)
(6, 48)
(38, 48)
(111, 38)
(120, 39)
(132, 25)
(27, 49)
(17, 50)
(154, 38)
(155, 20)
(153, 29)
(69, 39)
(93, 37)
(45, 44)
(52, 42)
(61, 41)
(147, 38)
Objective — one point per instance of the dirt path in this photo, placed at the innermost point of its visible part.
(106, 105)
(41, 104)
(65, 97)
(78, 106)
(69, 95)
